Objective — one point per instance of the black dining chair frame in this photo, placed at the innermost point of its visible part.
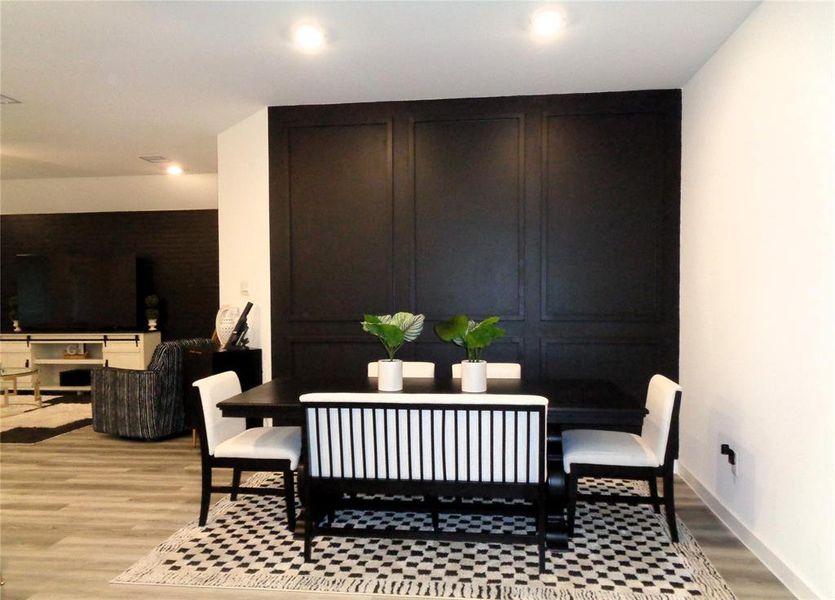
(648, 474)
(238, 465)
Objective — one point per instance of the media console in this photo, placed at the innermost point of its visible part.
(46, 352)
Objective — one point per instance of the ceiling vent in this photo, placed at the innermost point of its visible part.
(8, 100)
(154, 158)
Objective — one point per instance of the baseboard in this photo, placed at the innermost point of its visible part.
(780, 569)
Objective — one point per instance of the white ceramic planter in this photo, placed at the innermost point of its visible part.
(16, 325)
(390, 375)
(474, 376)
(152, 324)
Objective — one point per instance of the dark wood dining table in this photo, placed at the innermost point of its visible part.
(572, 403)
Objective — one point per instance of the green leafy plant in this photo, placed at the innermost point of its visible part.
(473, 337)
(152, 307)
(393, 330)
(12, 305)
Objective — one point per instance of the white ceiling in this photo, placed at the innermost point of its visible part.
(102, 83)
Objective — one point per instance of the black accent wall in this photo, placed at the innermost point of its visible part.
(180, 245)
(558, 213)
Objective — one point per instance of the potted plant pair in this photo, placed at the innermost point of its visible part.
(392, 331)
(474, 338)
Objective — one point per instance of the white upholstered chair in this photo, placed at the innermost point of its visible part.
(615, 454)
(410, 369)
(494, 371)
(227, 443)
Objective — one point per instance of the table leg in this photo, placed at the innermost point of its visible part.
(36, 386)
(556, 529)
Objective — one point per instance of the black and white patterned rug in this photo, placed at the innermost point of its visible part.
(618, 551)
(24, 422)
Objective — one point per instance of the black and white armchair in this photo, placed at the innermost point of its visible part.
(614, 454)
(227, 443)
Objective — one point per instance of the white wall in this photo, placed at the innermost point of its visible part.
(757, 305)
(244, 225)
(108, 194)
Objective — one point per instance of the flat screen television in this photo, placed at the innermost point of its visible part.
(73, 292)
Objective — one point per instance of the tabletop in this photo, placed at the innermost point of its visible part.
(17, 371)
(570, 401)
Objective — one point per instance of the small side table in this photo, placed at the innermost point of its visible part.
(10, 375)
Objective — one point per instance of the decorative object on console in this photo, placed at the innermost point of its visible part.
(76, 351)
(13, 313)
(237, 338)
(474, 338)
(392, 331)
(225, 322)
(152, 311)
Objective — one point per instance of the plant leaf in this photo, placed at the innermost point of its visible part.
(453, 329)
(481, 335)
(411, 325)
(390, 335)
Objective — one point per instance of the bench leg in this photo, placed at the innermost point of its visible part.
(432, 501)
(308, 530)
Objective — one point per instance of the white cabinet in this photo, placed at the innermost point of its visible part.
(47, 352)
(16, 354)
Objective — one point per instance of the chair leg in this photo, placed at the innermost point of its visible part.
(290, 499)
(670, 506)
(653, 491)
(236, 482)
(308, 528)
(205, 494)
(540, 533)
(571, 509)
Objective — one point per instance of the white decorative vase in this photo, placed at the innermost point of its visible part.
(390, 375)
(225, 321)
(152, 324)
(474, 376)
(16, 325)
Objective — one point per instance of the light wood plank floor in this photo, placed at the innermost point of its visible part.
(80, 508)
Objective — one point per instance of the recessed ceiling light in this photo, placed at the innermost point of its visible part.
(308, 37)
(546, 23)
(174, 170)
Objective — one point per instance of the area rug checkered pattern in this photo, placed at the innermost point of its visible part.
(618, 551)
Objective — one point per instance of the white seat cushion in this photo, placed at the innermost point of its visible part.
(587, 446)
(264, 442)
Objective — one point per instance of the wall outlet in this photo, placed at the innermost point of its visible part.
(244, 288)
(726, 450)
